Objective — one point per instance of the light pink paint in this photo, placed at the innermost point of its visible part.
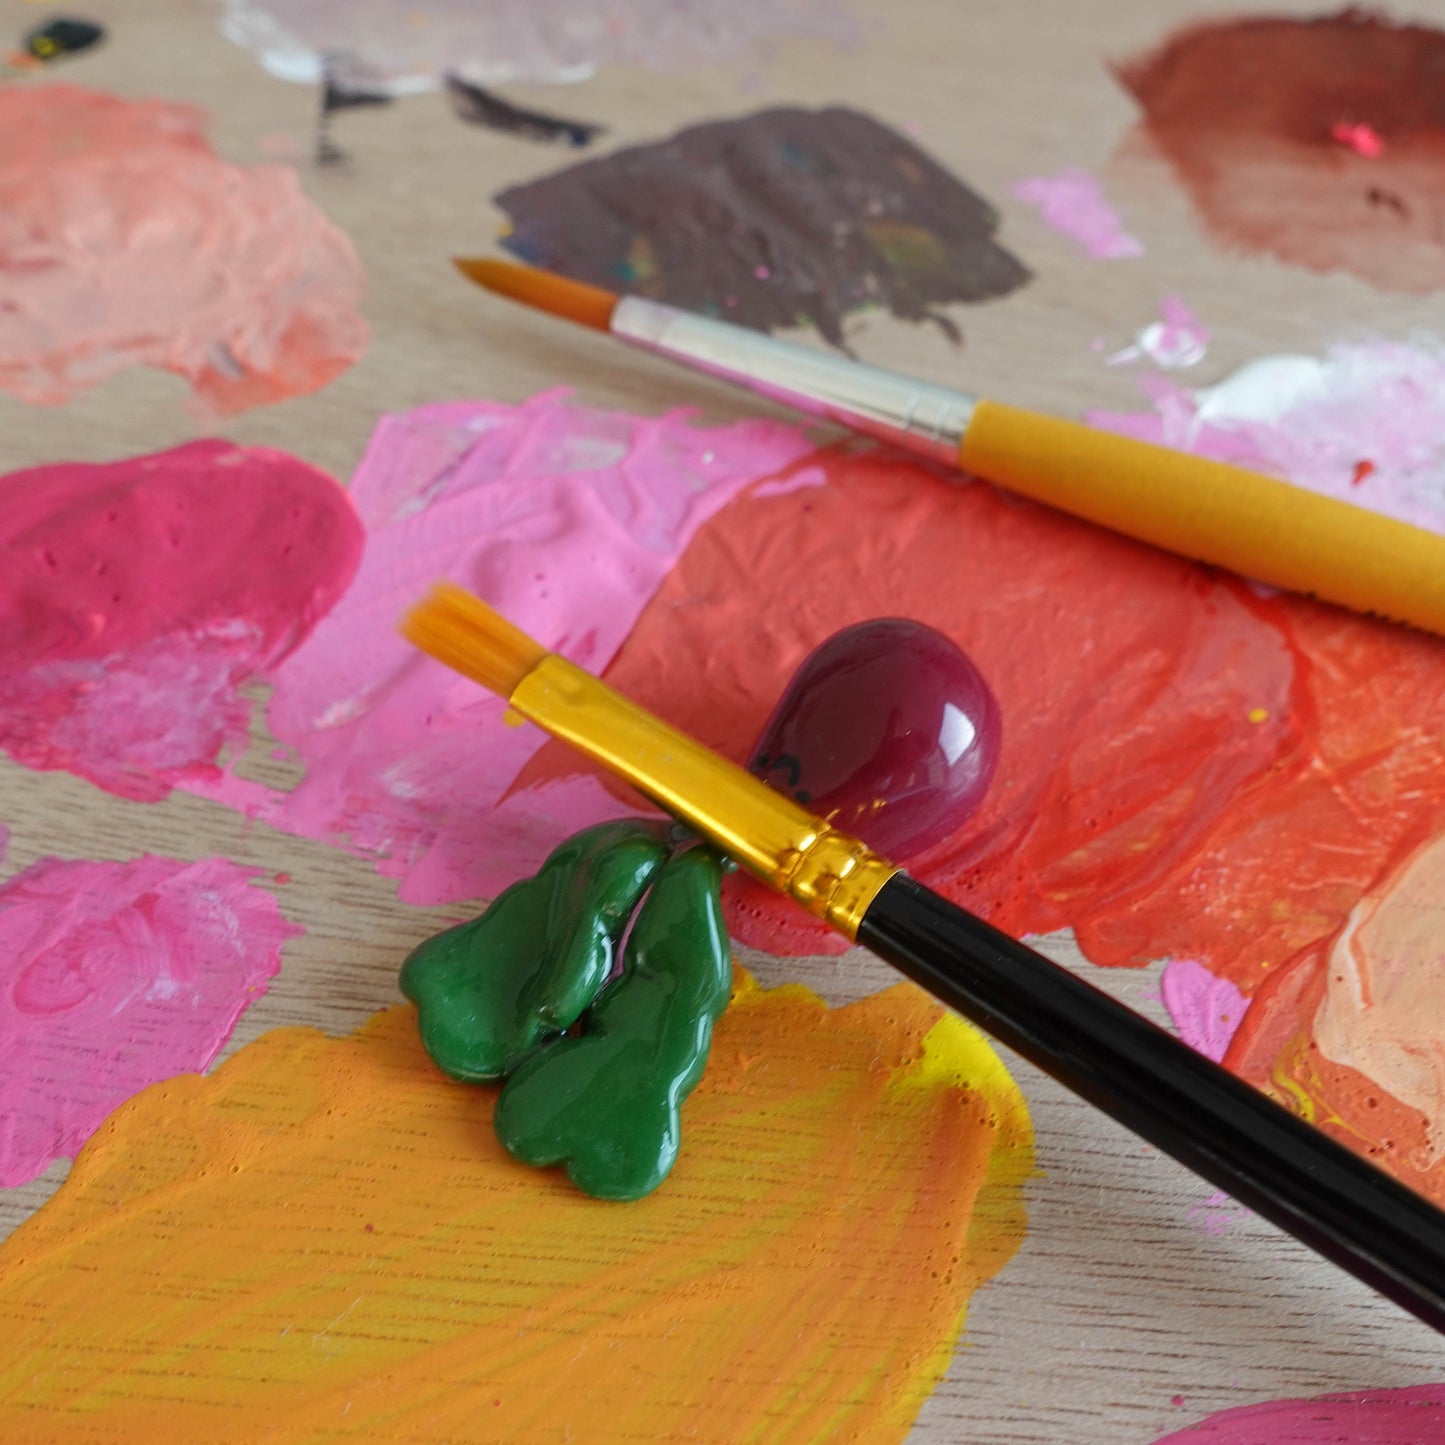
(1217, 1214)
(136, 598)
(566, 520)
(1073, 204)
(1317, 420)
(401, 45)
(1411, 1416)
(125, 241)
(114, 976)
(1204, 1009)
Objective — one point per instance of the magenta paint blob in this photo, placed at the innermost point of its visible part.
(1411, 1416)
(887, 730)
(114, 976)
(137, 597)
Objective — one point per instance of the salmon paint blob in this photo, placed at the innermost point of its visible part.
(345, 1252)
(115, 975)
(137, 597)
(129, 242)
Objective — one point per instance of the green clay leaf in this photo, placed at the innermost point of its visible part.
(489, 992)
(606, 1102)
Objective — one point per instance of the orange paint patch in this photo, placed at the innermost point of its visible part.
(324, 1241)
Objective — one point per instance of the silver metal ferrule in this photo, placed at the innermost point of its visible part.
(930, 420)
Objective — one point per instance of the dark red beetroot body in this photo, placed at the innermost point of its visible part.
(887, 729)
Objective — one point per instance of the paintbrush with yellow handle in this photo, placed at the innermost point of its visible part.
(1209, 511)
(1179, 1100)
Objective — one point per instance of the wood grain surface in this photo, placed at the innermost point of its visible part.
(1119, 1302)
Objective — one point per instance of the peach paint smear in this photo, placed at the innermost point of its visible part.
(126, 241)
(1414, 1415)
(137, 598)
(115, 975)
(323, 1241)
(568, 520)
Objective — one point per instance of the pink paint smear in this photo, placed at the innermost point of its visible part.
(1411, 1416)
(565, 519)
(138, 598)
(1073, 204)
(125, 241)
(114, 976)
(1364, 423)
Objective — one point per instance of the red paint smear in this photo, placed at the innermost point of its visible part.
(1411, 1416)
(1188, 769)
(137, 597)
(1326, 149)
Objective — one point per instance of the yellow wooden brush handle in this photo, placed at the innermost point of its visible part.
(1256, 526)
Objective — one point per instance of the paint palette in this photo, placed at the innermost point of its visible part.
(248, 413)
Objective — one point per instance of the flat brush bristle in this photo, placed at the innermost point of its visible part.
(544, 290)
(462, 631)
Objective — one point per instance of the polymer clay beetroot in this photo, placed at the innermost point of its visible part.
(889, 731)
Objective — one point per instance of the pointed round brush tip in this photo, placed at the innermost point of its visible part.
(542, 290)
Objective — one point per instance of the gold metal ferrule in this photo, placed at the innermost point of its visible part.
(831, 874)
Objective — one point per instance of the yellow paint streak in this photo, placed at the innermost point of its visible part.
(207, 1272)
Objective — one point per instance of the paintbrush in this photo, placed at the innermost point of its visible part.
(1179, 1100)
(1254, 525)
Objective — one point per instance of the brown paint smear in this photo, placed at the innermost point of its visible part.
(778, 219)
(1319, 142)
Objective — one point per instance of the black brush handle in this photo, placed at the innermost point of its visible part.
(1234, 1136)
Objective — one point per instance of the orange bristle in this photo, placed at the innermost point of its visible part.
(543, 290)
(471, 638)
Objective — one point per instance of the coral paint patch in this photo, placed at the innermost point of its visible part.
(127, 242)
(348, 1254)
(113, 976)
(1123, 678)
(137, 597)
(1188, 769)
(566, 520)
